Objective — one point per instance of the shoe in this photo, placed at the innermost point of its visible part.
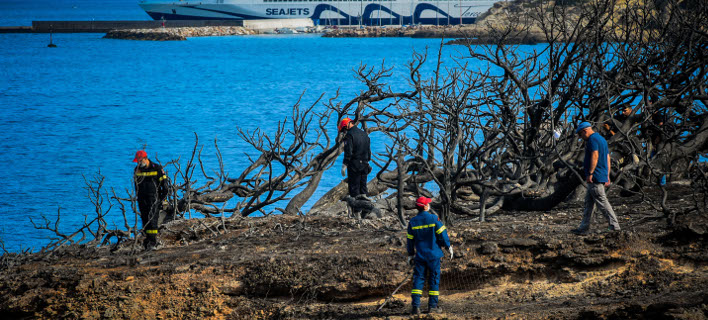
(579, 231)
(415, 310)
(363, 197)
(435, 310)
(613, 229)
(153, 245)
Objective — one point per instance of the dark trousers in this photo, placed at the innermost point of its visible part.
(357, 182)
(432, 267)
(149, 206)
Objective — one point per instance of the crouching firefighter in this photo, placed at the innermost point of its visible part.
(426, 235)
(151, 188)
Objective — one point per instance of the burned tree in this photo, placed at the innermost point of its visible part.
(505, 131)
(495, 128)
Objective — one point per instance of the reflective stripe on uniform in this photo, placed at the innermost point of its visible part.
(410, 236)
(151, 231)
(434, 293)
(417, 291)
(163, 177)
(146, 174)
(424, 226)
(440, 230)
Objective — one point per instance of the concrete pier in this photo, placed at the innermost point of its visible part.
(182, 33)
(105, 26)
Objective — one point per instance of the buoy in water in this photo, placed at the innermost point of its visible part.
(51, 44)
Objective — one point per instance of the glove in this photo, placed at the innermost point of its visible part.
(410, 260)
(344, 170)
(451, 253)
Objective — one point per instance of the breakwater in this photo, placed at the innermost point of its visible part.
(468, 34)
(164, 34)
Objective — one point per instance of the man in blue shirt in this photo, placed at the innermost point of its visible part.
(597, 175)
(426, 235)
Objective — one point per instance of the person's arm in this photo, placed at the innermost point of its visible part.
(410, 241)
(609, 169)
(348, 148)
(164, 185)
(441, 235)
(135, 180)
(594, 156)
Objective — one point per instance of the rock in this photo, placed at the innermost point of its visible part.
(233, 288)
(489, 248)
(516, 242)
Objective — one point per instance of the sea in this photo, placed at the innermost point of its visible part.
(81, 110)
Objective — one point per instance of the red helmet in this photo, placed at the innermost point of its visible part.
(343, 123)
(139, 155)
(422, 201)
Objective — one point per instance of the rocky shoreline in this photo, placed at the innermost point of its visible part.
(461, 35)
(473, 34)
(166, 34)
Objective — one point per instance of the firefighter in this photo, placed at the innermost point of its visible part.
(357, 154)
(426, 236)
(151, 187)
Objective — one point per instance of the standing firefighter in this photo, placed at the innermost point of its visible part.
(597, 175)
(357, 154)
(151, 185)
(426, 235)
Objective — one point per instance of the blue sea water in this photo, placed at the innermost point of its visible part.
(89, 104)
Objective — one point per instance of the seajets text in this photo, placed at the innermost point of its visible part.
(287, 12)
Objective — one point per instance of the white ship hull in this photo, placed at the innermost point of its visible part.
(395, 12)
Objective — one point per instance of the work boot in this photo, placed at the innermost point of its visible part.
(579, 231)
(434, 310)
(613, 229)
(154, 246)
(415, 310)
(149, 243)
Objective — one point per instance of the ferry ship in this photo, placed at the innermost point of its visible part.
(324, 12)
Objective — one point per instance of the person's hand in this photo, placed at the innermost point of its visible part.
(589, 179)
(344, 170)
(410, 260)
(451, 253)
(607, 184)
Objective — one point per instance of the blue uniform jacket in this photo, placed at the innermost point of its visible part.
(426, 235)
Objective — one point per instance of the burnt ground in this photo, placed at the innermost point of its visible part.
(517, 265)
